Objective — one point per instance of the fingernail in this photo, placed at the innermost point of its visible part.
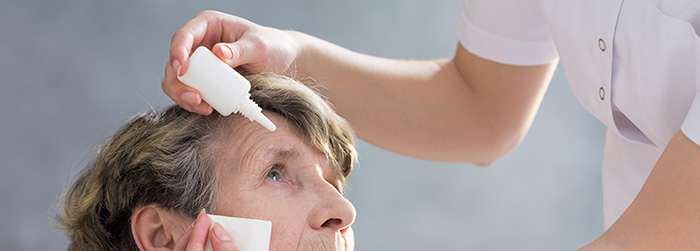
(191, 98)
(177, 66)
(228, 54)
(201, 109)
(220, 233)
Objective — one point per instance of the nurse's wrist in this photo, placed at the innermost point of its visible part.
(307, 49)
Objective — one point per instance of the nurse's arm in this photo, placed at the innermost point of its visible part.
(665, 215)
(466, 109)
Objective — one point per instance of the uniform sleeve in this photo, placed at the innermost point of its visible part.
(506, 31)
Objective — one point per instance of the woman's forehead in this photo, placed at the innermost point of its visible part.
(248, 139)
(248, 142)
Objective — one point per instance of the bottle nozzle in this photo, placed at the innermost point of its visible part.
(253, 112)
(264, 121)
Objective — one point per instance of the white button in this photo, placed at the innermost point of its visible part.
(601, 44)
(601, 93)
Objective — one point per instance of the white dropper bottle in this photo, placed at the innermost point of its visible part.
(222, 87)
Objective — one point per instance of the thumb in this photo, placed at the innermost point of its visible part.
(235, 54)
(220, 240)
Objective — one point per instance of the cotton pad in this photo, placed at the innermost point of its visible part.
(247, 234)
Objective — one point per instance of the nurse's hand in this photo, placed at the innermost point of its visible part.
(236, 41)
(195, 238)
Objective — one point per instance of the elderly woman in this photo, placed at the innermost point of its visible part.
(150, 181)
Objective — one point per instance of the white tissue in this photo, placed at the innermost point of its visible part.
(247, 234)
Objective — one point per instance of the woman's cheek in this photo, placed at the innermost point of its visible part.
(284, 206)
(285, 235)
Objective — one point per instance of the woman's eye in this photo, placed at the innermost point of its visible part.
(274, 176)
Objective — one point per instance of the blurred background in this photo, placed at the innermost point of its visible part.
(73, 71)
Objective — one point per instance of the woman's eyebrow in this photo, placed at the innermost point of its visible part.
(286, 154)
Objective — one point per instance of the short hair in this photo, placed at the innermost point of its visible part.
(167, 158)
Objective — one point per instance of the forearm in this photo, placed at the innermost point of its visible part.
(424, 109)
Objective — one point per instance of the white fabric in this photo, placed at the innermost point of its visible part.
(649, 70)
(526, 42)
(247, 234)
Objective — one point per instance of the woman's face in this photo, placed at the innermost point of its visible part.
(279, 177)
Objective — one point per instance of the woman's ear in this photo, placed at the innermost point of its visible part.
(156, 228)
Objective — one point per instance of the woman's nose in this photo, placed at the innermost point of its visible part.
(332, 211)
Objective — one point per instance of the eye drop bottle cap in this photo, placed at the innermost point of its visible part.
(222, 87)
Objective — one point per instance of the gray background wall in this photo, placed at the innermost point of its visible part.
(73, 71)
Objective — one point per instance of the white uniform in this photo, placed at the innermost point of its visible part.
(634, 64)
